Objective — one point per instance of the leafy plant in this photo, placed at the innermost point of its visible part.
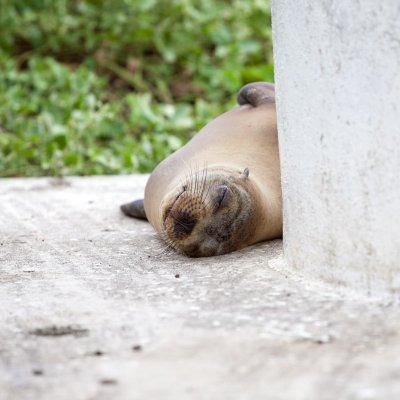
(101, 87)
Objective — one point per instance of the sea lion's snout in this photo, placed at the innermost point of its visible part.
(209, 218)
(181, 216)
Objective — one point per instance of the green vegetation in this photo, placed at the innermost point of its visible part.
(107, 87)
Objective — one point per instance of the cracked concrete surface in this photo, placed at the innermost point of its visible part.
(93, 307)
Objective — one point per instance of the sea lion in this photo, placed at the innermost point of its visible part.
(221, 191)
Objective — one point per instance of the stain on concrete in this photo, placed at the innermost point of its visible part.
(108, 381)
(63, 330)
(37, 372)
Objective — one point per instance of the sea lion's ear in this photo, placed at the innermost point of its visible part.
(134, 209)
(245, 173)
(256, 93)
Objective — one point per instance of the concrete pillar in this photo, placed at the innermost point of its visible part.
(337, 74)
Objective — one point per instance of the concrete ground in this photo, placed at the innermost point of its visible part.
(93, 307)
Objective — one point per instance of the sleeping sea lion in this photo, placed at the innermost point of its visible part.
(221, 191)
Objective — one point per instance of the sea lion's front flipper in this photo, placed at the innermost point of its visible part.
(256, 93)
(134, 209)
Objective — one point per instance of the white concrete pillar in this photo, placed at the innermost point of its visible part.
(337, 74)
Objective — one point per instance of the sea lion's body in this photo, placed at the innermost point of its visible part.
(203, 201)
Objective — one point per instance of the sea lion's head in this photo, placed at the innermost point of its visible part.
(211, 213)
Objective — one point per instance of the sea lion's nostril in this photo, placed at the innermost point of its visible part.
(184, 223)
(181, 227)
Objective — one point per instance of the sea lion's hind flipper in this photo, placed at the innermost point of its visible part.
(134, 209)
(256, 93)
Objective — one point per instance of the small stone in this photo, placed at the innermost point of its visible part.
(137, 347)
(37, 372)
(108, 381)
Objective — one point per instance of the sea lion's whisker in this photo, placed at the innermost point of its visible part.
(189, 180)
(166, 246)
(188, 176)
(194, 179)
(210, 184)
(197, 173)
(167, 241)
(183, 182)
(203, 181)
